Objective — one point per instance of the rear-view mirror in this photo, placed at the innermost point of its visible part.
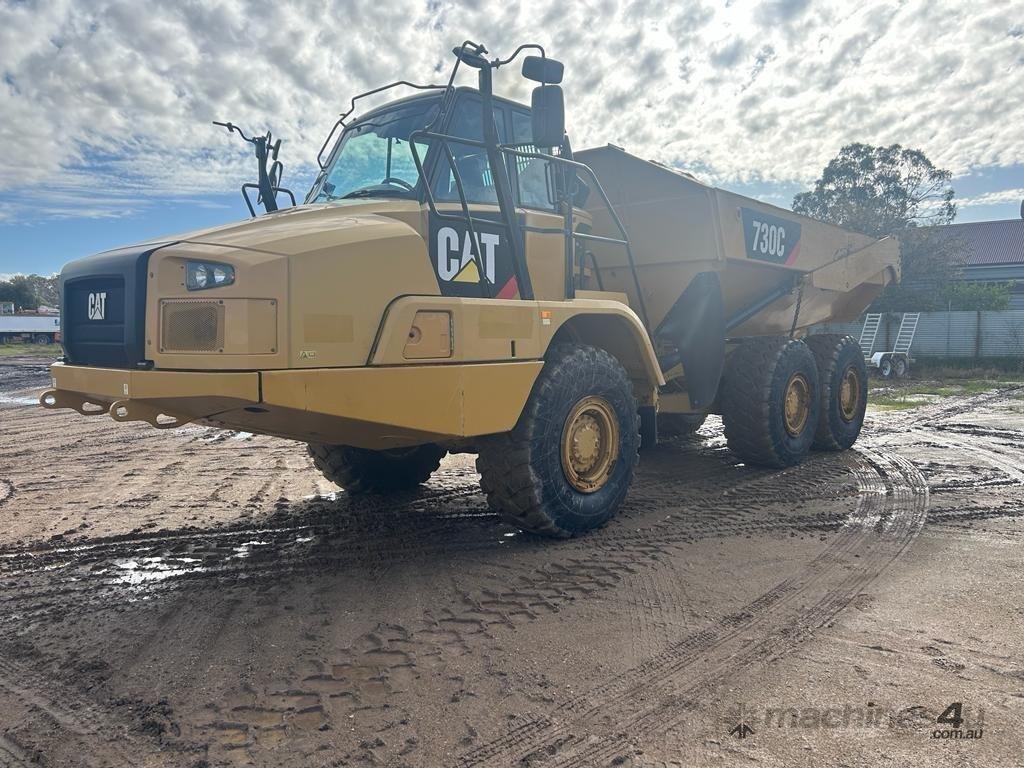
(543, 70)
(548, 114)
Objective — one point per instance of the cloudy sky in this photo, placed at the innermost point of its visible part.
(105, 107)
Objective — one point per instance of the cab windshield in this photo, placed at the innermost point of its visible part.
(373, 158)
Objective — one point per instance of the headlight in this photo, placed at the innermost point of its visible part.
(203, 274)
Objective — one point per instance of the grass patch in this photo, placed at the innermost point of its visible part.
(899, 395)
(895, 405)
(35, 350)
(889, 401)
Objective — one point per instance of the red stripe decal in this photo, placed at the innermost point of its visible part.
(509, 289)
(793, 253)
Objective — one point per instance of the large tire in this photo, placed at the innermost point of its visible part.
(679, 424)
(566, 466)
(843, 389)
(761, 376)
(359, 470)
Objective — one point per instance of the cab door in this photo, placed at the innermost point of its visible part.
(459, 271)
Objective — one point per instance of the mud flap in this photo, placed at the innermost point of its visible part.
(648, 427)
(696, 327)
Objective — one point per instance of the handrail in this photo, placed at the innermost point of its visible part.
(444, 139)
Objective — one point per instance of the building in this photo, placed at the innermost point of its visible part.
(995, 254)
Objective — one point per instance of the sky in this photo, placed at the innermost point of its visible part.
(106, 105)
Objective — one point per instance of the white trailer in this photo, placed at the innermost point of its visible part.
(896, 362)
(38, 329)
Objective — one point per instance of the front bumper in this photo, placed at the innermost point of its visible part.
(370, 407)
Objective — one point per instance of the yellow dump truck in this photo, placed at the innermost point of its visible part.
(459, 279)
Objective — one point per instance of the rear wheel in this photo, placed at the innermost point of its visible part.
(899, 367)
(359, 470)
(42, 338)
(566, 466)
(885, 368)
(843, 390)
(679, 424)
(770, 401)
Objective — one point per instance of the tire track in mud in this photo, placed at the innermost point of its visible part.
(367, 675)
(11, 755)
(363, 678)
(890, 512)
(90, 726)
(960, 439)
(928, 415)
(91, 575)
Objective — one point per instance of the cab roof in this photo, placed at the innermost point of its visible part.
(433, 94)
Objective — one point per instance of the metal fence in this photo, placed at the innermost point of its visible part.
(949, 334)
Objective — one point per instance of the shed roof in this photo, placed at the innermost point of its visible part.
(991, 242)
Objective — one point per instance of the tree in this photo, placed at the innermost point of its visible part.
(31, 291)
(894, 191)
(19, 290)
(880, 191)
(45, 289)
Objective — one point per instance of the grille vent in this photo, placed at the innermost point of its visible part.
(192, 326)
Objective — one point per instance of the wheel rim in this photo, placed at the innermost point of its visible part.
(797, 404)
(590, 444)
(849, 394)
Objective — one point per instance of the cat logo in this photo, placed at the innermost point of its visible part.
(97, 305)
(455, 259)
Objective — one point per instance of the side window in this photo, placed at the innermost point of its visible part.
(532, 173)
(473, 166)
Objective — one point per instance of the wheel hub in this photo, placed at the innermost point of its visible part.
(849, 394)
(590, 444)
(797, 405)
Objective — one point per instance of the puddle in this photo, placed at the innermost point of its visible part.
(246, 549)
(149, 569)
(21, 401)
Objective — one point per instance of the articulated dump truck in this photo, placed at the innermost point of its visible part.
(458, 279)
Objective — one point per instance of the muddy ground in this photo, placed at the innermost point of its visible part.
(202, 598)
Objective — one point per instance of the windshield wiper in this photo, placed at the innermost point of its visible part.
(376, 192)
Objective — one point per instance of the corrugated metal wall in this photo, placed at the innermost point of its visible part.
(950, 334)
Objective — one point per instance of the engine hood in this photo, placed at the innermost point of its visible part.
(308, 227)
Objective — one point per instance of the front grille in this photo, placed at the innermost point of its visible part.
(94, 320)
(191, 325)
(103, 308)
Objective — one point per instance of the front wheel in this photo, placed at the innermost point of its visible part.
(566, 466)
(359, 470)
(42, 338)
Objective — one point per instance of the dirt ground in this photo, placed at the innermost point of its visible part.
(197, 597)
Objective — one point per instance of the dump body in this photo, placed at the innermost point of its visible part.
(766, 258)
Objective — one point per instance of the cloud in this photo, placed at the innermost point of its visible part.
(993, 198)
(107, 106)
